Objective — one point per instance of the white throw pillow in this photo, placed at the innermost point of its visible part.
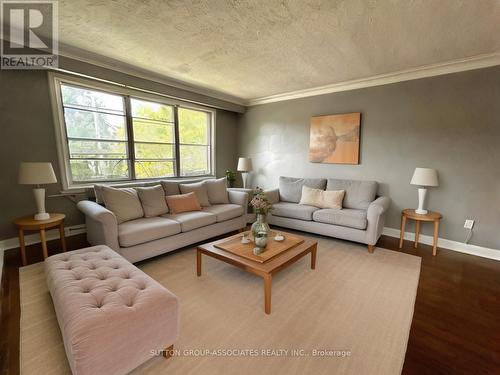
(153, 200)
(200, 189)
(123, 202)
(321, 198)
(217, 191)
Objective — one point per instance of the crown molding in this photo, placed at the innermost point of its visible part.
(74, 53)
(455, 66)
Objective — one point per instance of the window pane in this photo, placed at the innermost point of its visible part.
(89, 98)
(87, 124)
(154, 169)
(193, 126)
(148, 131)
(98, 170)
(151, 110)
(95, 149)
(194, 160)
(153, 151)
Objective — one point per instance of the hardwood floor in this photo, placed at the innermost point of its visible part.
(456, 323)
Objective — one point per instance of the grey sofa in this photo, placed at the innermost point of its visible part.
(147, 237)
(361, 218)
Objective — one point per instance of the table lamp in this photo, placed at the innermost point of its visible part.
(423, 177)
(244, 166)
(37, 174)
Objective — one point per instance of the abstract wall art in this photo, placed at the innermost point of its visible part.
(334, 139)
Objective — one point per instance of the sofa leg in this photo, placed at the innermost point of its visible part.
(371, 248)
(167, 353)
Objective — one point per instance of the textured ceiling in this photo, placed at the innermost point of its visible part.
(252, 49)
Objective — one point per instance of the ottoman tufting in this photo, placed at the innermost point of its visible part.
(112, 316)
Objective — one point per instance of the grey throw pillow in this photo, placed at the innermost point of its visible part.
(170, 187)
(217, 191)
(200, 189)
(358, 194)
(153, 200)
(291, 187)
(124, 203)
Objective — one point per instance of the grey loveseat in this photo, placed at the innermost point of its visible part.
(361, 218)
(147, 237)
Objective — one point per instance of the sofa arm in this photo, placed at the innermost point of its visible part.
(239, 198)
(376, 218)
(101, 223)
(378, 207)
(273, 195)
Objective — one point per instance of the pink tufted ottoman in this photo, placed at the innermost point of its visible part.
(112, 316)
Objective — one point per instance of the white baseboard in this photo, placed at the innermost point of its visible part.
(52, 234)
(447, 244)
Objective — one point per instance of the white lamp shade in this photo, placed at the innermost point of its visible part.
(245, 165)
(36, 174)
(425, 177)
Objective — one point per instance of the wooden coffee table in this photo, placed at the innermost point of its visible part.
(265, 270)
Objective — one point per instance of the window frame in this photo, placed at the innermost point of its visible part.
(128, 93)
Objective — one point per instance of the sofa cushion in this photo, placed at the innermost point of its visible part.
(124, 203)
(358, 194)
(225, 212)
(217, 191)
(200, 189)
(146, 229)
(170, 187)
(293, 210)
(152, 200)
(347, 217)
(183, 203)
(193, 220)
(291, 187)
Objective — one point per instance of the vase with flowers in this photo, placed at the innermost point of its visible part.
(260, 229)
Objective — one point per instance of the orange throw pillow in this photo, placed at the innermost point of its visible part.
(183, 203)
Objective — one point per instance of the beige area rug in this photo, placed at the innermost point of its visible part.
(355, 303)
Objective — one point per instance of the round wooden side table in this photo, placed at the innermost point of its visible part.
(29, 223)
(430, 216)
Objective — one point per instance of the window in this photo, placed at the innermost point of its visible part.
(154, 139)
(113, 136)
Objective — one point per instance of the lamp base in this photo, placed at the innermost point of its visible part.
(422, 192)
(244, 176)
(42, 216)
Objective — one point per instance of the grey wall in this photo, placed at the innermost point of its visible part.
(450, 122)
(27, 134)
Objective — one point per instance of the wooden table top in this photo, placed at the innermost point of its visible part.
(429, 216)
(29, 221)
(272, 265)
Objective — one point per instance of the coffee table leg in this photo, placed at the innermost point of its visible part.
(313, 257)
(198, 262)
(268, 282)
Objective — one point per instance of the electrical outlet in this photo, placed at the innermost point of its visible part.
(469, 223)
